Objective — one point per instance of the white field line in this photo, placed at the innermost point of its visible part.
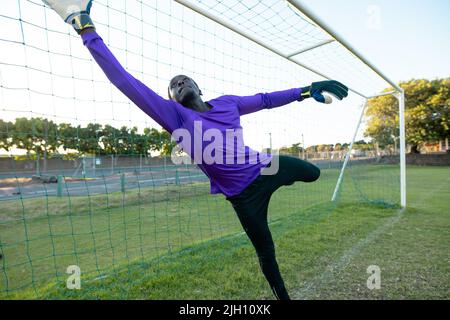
(311, 287)
(308, 291)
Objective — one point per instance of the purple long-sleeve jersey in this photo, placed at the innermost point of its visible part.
(230, 176)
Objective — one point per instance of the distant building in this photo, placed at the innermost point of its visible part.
(435, 146)
(357, 153)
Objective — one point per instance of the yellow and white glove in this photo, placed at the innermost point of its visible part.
(73, 12)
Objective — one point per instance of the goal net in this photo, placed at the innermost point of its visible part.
(86, 178)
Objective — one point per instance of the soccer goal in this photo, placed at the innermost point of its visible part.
(86, 178)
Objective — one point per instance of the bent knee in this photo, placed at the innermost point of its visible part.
(315, 174)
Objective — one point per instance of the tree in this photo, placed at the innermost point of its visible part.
(44, 137)
(383, 120)
(22, 136)
(363, 145)
(45, 140)
(426, 114)
(109, 140)
(89, 138)
(153, 137)
(159, 141)
(68, 136)
(35, 134)
(429, 119)
(6, 129)
(167, 144)
(130, 142)
(123, 144)
(325, 147)
(141, 143)
(311, 149)
(295, 149)
(84, 140)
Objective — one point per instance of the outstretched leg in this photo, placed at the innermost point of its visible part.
(252, 205)
(253, 217)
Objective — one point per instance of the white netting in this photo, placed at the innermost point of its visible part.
(46, 72)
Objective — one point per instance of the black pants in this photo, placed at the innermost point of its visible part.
(251, 207)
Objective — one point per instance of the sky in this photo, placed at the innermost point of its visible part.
(411, 40)
(404, 38)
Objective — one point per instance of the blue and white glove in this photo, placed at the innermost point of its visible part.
(319, 90)
(73, 12)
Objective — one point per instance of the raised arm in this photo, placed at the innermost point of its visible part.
(316, 90)
(166, 113)
(260, 101)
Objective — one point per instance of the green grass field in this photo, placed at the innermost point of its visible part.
(178, 242)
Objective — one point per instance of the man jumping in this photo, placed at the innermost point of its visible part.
(239, 179)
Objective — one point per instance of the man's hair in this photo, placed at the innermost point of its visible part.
(200, 91)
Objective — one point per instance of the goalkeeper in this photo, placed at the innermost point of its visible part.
(243, 184)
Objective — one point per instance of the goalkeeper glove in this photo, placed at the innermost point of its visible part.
(317, 89)
(74, 12)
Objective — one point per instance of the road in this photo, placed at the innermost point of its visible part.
(113, 183)
(101, 185)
